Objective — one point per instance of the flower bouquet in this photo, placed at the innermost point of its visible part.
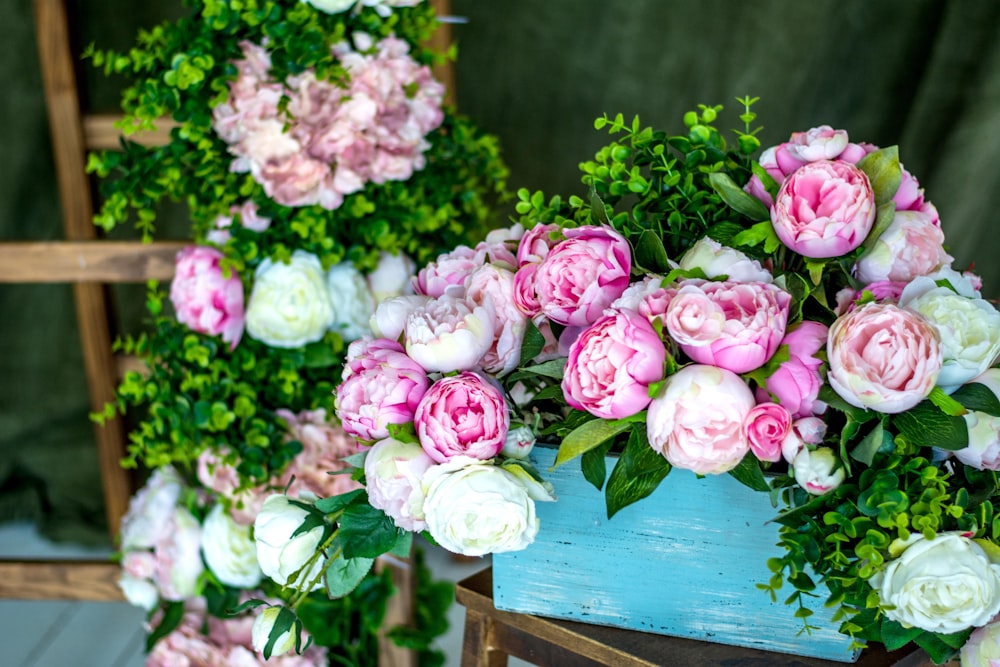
(318, 163)
(791, 320)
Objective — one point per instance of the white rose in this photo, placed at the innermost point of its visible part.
(817, 470)
(969, 329)
(261, 632)
(392, 277)
(519, 443)
(289, 305)
(351, 301)
(474, 508)
(229, 550)
(945, 585)
(332, 6)
(150, 510)
(278, 553)
(390, 315)
(449, 334)
(716, 260)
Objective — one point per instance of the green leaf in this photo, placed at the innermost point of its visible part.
(172, 616)
(946, 403)
(762, 232)
(404, 545)
(553, 368)
(884, 214)
(925, 425)
(895, 636)
(639, 470)
(978, 397)
(587, 436)
(650, 253)
(320, 355)
(884, 172)
(284, 622)
(594, 466)
(748, 473)
(344, 574)
(337, 503)
(738, 200)
(770, 185)
(937, 649)
(598, 211)
(366, 531)
(869, 446)
(532, 344)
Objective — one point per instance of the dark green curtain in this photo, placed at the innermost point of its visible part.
(923, 74)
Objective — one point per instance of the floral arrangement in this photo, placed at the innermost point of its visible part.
(792, 319)
(318, 163)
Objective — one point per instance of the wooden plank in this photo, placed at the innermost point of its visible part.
(87, 261)
(440, 41)
(399, 611)
(95, 580)
(100, 133)
(63, 105)
(553, 643)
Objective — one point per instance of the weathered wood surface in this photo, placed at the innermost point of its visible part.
(60, 580)
(491, 635)
(87, 261)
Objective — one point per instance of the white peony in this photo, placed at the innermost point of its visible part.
(229, 550)
(817, 470)
(332, 6)
(474, 508)
(289, 305)
(150, 510)
(351, 301)
(969, 329)
(279, 554)
(449, 334)
(390, 315)
(392, 277)
(717, 260)
(983, 451)
(945, 585)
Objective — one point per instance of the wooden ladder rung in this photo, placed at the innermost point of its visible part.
(87, 261)
(60, 580)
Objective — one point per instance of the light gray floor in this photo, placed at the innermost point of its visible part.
(107, 634)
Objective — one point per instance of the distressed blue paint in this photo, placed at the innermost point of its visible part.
(683, 562)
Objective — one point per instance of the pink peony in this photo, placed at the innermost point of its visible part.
(583, 274)
(824, 209)
(697, 422)
(883, 357)
(612, 364)
(796, 382)
(324, 446)
(767, 425)
(381, 386)
(393, 473)
(882, 290)
(648, 297)
(462, 415)
(536, 243)
(205, 299)
(493, 286)
(736, 326)
(448, 272)
(911, 246)
(449, 334)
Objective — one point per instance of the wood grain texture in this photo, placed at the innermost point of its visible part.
(100, 133)
(399, 611)
(87, 261)
(556, 643)
(440, 41)
(60, 580)
(683, 562)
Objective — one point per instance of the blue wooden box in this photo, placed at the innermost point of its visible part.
(682, 562)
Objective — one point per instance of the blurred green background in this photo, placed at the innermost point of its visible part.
(923, 74)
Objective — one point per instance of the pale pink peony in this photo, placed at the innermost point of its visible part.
(824, 209)
(612, 364)
(449, 334)
(524, 296)
(583, 274)
(391, 277)
(447, 274)
(817, 470)
(911, 246)
(882, 290)
(697, 421)
(648, 297)
(390, 315)
(393, 473)
(492, 285)
(736, 326)
(883, 357)
(796, 382)
(381, 386)
(204, 297)
(324, 446)
(767, 425)
(462, 415)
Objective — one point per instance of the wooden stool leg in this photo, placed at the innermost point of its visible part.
(478, 647)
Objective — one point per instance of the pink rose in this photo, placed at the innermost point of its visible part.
(493, 286)
(381, 386)
(883, 357)
(462, 415)
(796, 383)
(393, 473)
(612, 364)
(736, 326)
(911, 246)
(449, 334)
(583, 274)
(206, 300)
(825, 209)
(767, 425)
(697, 422)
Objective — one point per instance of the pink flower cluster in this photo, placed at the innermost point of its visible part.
(203, 640)
(332, 139)
(324, 446)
